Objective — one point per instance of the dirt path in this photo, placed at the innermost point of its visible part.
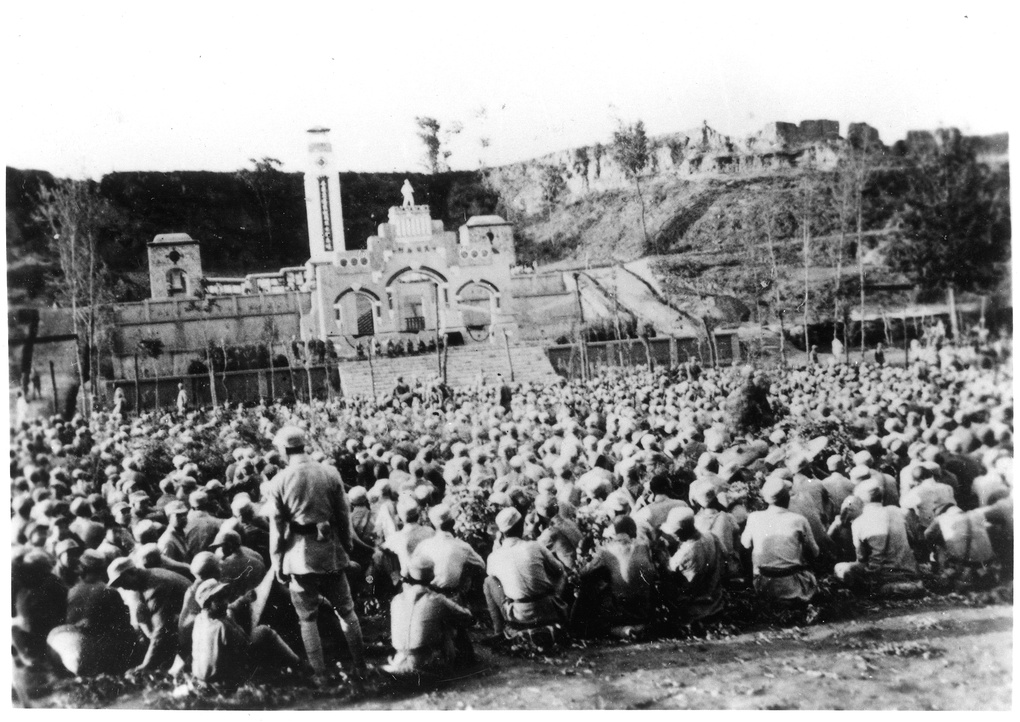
(940, 658)
(635, 295)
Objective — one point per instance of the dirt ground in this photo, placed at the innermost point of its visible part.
(928, 659)
(932, 654)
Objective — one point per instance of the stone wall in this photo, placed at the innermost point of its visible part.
(544, 284)
(184, 325)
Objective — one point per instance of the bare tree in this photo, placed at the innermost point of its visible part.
(805, 210)
(631, 150)
(860, 165)
(844, 197)
(769, 214)
(76, 215)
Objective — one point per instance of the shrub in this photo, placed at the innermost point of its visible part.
(747, 408)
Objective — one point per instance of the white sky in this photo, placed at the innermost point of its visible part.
(96, 87)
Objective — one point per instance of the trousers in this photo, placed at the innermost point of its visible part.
(306, 592)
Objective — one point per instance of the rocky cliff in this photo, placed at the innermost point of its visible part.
(700, 153)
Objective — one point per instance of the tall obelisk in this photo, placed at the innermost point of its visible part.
(322, 199)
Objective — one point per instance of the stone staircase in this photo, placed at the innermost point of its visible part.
(464, 366)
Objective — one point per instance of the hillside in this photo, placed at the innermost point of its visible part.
(704, 195)
(707, 206)
(221, 212)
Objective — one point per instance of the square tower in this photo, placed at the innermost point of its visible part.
(175, 266)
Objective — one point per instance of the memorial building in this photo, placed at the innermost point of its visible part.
(413, 276)
(412, 279)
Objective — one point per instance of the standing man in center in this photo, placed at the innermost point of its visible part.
(310, 541)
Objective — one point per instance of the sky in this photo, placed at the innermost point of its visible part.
(92, 88)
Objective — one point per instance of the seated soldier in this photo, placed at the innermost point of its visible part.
(202, 526)
(205, 565)
(221, 651)
(615, 588)
(68, 553)
(712, 518)
(840, 532)
(525, 580)
(999, 513)
(926, 495)
(653, 513)
(696, 568)
(254, 529)
(424, 624)
(961, 547)
(550, 529)
(97, 638)
(782, 546)
(453, 561)
(402, 543)
(40, 604)
(241, 568)
(837, 484)
(880, 540)
(172, 543)
(162, 596)
(149, 557)
(362, 519)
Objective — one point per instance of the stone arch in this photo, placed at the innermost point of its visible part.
(367, 309)
(368, 292)
(430, 272)
(479, 282)
(478, 312)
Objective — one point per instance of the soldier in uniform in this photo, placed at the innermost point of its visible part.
(310, 541)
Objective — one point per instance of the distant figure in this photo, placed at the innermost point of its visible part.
(21, 409)
(408, 192)
(119, 401)
(505, 393)
(837, 349)
(182, 399)
(880, 355)
(295, 347)
(36, 383)
(813, 356)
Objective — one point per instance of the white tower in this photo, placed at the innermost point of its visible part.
(322, 199)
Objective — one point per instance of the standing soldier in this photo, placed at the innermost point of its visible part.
(119, 402)
(182, 399)
(310, 540)
(837, 350)
(506, 394)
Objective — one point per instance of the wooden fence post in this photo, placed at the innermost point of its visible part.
(53, 381)
(509, 358)
(138, 389)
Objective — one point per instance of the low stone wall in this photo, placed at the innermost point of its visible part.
(665, 351)
(233, 387)
(544, 284)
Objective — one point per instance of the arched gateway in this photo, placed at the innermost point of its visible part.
(412, 277)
